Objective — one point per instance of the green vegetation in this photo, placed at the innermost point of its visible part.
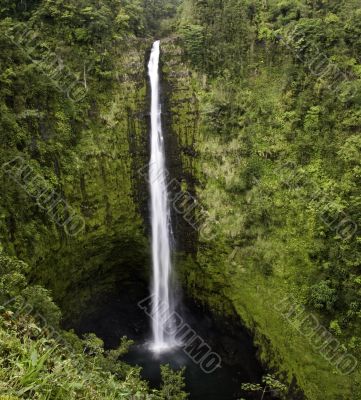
(73, 93)
(264, 98)
(275, 155)
(39, 360)
(77, 142)
(34, 365)
(269, 384)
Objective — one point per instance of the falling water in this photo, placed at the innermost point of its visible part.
(162, 304)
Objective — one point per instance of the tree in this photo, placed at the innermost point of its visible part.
(269, 385)
(173, 384)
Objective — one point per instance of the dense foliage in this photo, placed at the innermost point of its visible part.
(294, 168)
(41, 361)
(71, 75)
(279, 88)
(276, 162)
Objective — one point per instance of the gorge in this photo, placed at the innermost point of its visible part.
(260, 121)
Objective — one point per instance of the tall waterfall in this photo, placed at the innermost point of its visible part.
(162, 304)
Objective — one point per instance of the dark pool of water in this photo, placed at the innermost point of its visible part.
(229, 339)
(232, 343)
(222, 384)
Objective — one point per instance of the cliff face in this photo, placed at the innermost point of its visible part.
(246, 265)
(91, 161)
(180, 121)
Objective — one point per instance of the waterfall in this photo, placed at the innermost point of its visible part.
(162, 308)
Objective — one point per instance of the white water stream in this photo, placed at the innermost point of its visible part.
(162, 302)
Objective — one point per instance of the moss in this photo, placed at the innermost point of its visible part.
(238, 271)
(97, 176)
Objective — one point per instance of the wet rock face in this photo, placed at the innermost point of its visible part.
(114, 258)
(180, 121)
(96, 172)
(112, 311)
